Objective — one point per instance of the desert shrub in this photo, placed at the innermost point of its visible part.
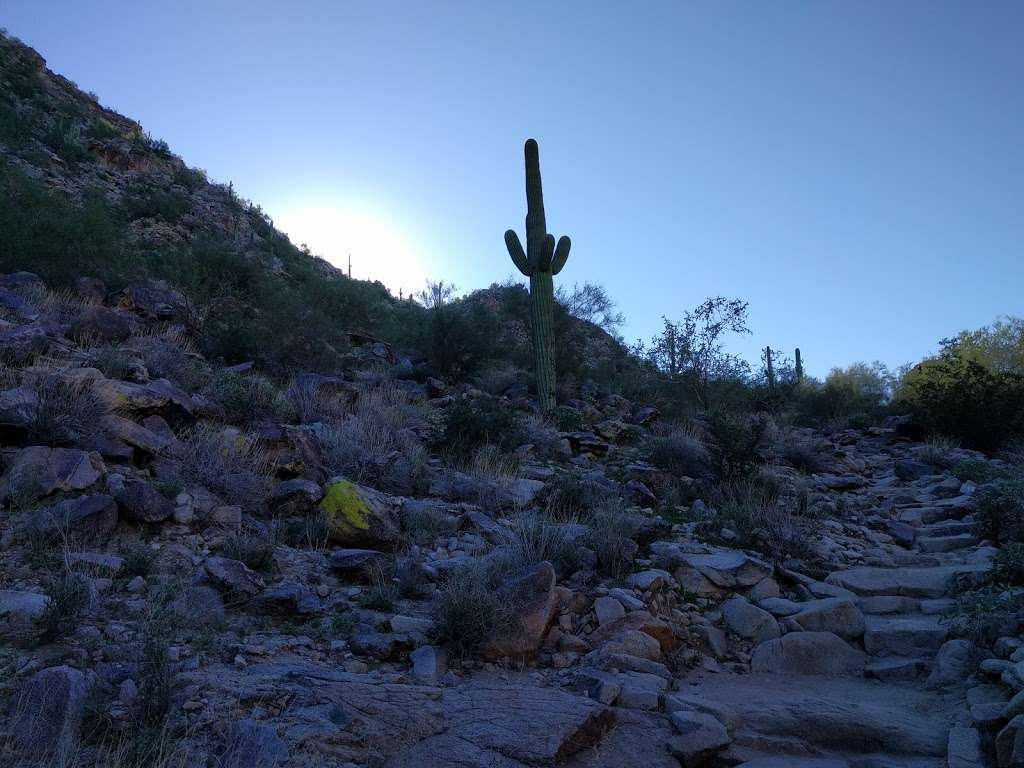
(231, 465)
(312, 403)
(145, 201)
(980, 471)
(766, 515)
(857, 394)
(252, 548)
(494, 472)
(546, 441)
(472, 424)
(678, 451)
(567, 418)
(246, 396)
(310, 532)
(498, 378)
(571, 496)
(802, 453)
(139, 559)
(610, 536)
(66, 410)
(167, 357)
(983, 615)
(735, 442)
(383, 592)
(937, 450)
(64, 138)
(1008, 565)
(534, 539)
(954, 394)
(468, 610)
(424, 525)
(68, 596)
(1000, 514)
(376, 444)
(192, 179)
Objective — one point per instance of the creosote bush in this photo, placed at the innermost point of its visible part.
(468, 610)
(678, 451)
(232, 465)
(472, 424)
(66, 410)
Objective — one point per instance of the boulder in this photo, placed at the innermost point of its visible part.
(748, 621)
(248, 744)
(142, 503)
(360, 517)
(807, 653)
(18, 612)
(729, 569)
(532, 601)
(233, 577)
(837, 615)
(85, 520)
(100, 324)
(38, 471)
(700, 736)
(297, 496)
(358, 562)
(909, 470)
(429, 664)
(286, 599)
(952, 664)
(608, 609)
(47, 713)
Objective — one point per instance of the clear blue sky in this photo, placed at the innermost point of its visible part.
(855, 170)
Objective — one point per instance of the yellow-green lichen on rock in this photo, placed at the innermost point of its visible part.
(358, 516)
(346, 510)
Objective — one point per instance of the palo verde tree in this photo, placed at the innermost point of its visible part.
(542, 260)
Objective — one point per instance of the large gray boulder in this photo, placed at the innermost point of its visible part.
(748, 621)
(807, 653)
(83, 520)
(18, 612)
(37, 471)
(234, 577)
(142, 503)
(47, 712)
(532, 602)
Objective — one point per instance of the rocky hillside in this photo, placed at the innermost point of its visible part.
(239, 530)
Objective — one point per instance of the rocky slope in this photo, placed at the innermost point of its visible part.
(218, 582)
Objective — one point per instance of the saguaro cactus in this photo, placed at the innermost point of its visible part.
(542, 260)
(768, 367)
(799, 366)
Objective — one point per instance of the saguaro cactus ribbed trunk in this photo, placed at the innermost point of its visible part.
(769, 368)
(541, 261)
(799, 368)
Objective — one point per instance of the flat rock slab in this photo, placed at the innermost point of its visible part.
(908, 582)
(773, 715)
(485, 723)
(807, 653)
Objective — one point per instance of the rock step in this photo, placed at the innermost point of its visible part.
(873, 581)
(946, 543)
(946, 528)
(929, 515)
(904, 635)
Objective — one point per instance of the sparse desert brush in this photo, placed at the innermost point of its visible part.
(472, 424)
(573, 496)
(468, 610)
(1000, 512)
(66, 409)
(937, 450)
(230, 464)
(534, 539)
(610, 535)
(112, 360)
(679, 450)
(495, 472)
(68, 597)
(253, 548)
(248, 396)
(169, 354)
(803, 452)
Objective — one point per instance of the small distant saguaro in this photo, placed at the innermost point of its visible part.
(798, 366)
(769, 368)
(542, 260)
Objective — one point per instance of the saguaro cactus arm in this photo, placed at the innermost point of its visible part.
(561, 254)
(515, 250)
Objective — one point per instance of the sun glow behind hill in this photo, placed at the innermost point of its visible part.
(378, 247)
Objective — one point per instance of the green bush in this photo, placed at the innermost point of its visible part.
(253, 549)
(143, 201)
(953, 394)
(1008, 565)
(139, 559)
(735, 442)
(857, 395)
(246, 396)
(570, 496)
(472, 424)
(1000, 514)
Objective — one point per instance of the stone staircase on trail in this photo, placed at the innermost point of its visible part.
(883, 691)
